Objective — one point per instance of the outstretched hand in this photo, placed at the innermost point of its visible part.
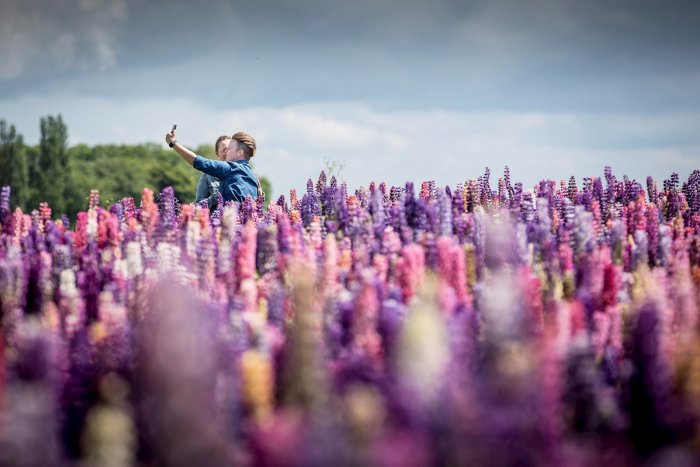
(170, 136)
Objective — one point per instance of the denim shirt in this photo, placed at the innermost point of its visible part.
(207, 188)
(236, 177)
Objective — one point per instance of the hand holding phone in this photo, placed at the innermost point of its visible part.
(170, 137)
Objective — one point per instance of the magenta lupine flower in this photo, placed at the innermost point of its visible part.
(365, 338)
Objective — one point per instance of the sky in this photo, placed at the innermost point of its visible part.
(376, 90)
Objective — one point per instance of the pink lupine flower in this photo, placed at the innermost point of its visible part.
(94, 199)
(601, 332)
(330, 266)
(410, 270)
(44, 215)
(149, 213)
(532, 299)
(366, 340)
(80, 238)
(21, 223)
(245, 262)
(3, 373)
(315, 235)
(611, 284)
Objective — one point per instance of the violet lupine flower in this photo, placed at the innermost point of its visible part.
(692, 192)
(652, 407)
(444, 205)
(177, 377)
(506, 179)
(4, 204)
(485, 189)
(321, 184)
(168, 214)
(248, 210)
(652, 190)
(266, 254)
(31, 399)
(572, 190)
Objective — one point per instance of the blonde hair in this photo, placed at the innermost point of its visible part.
(245, 142)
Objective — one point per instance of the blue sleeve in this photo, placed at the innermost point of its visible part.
(202, 189)
(218, 169)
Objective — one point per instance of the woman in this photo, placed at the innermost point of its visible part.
(208, 186)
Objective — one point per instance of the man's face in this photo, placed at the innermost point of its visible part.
(233, 153)
(222, 149)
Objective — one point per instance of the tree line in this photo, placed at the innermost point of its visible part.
(63, 176)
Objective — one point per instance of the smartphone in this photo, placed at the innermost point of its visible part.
(174, 127)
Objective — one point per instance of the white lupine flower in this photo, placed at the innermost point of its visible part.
(134, 265)
(229, 218)
(91, 228)
(67, 283)
(106, 256)
(120, 268)
(167, 257)
(224, 257)
(193, 235)
(70, 302)
(111, 313)
(424, 346)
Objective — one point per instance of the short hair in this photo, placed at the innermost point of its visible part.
(218, 140)
(245, 142)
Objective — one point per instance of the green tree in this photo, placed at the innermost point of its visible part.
(52, 171)
(267, 188)
(13, 159)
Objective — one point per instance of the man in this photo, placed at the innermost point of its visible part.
(236, 177)
(208, 186)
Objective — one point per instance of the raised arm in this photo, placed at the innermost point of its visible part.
(185, 153)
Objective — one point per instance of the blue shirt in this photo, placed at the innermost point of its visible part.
(237, 178)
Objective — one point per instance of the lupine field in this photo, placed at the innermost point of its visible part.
(388, 326)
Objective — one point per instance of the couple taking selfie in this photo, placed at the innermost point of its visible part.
(231, 175)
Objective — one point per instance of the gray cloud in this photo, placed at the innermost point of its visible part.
(476, 55)
(46, 37)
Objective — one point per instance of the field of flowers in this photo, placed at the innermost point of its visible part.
(401, 326)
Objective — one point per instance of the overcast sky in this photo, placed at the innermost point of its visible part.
(396, 90)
